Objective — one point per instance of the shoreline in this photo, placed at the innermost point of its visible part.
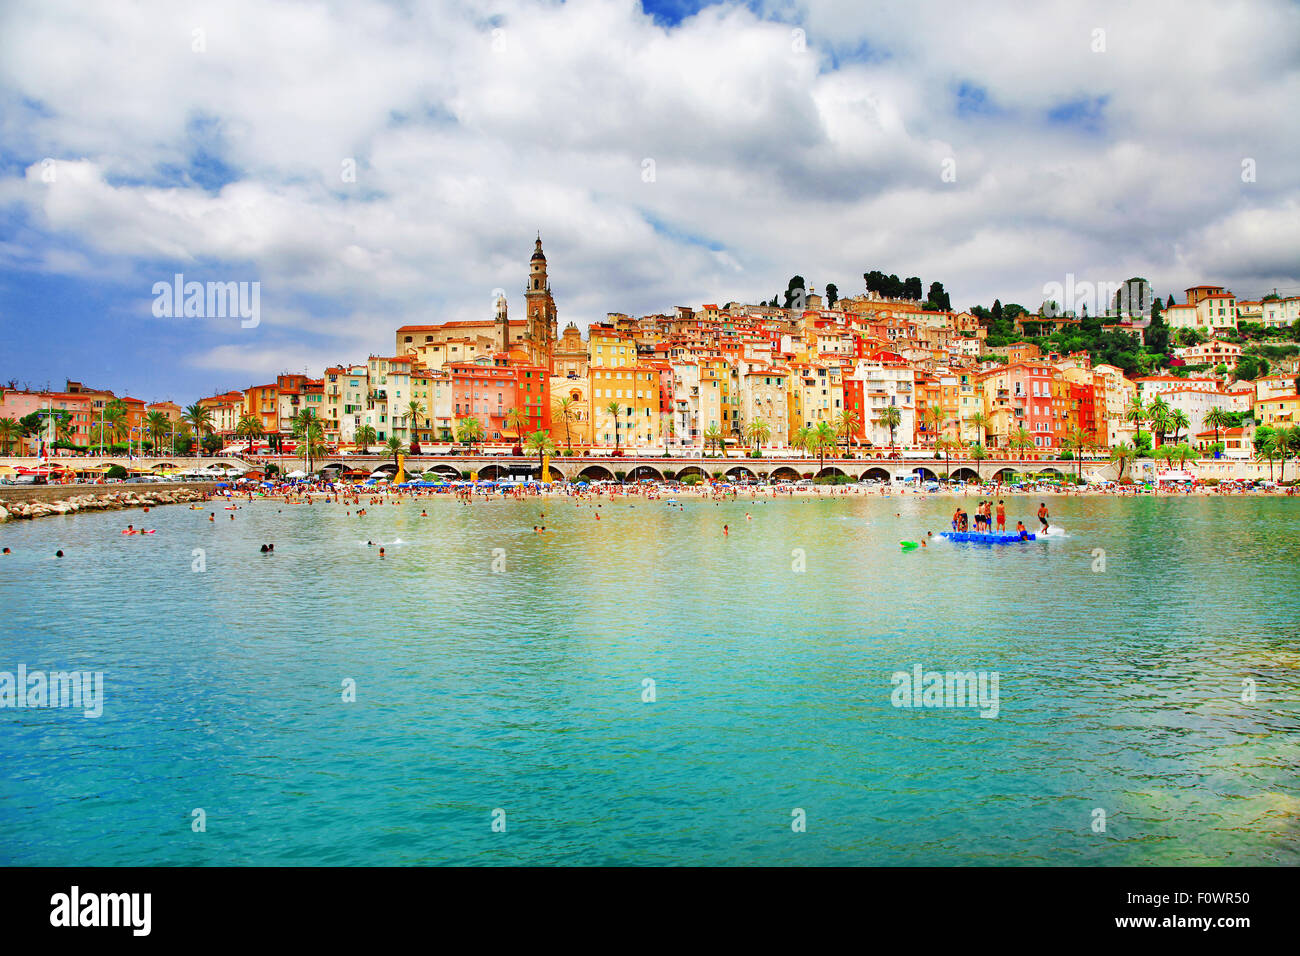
(43, 501)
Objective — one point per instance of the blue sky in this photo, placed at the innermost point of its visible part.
(375, 164)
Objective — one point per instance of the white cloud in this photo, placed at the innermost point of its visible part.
(768, 161)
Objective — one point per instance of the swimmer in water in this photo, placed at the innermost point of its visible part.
(725, 531)
(59, 553)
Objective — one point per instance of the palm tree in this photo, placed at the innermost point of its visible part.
(1217, 418)
(614, 408)
(539, 442)
(758, 432)
(518, 421)
(891, 418)
(932, 418)
(564, 406)
(823, 437)
(307, 424)
(846, 423)
(1158, 413)
(9, 431)
(980, 421)
(1182, 454)
(1179, 420)
(469, 430)
(394, 447)
(158, 424)
(1285, 441)
(1266, 447)
(978, 453)
(1136, 413)
(713, 437)
(1123, 453)
(311, 443)
(199, 418)
(364, 437)
(413, 412)
(946, 445)
(1022, 439)
(1077, 440)
(802, 439)
(114, 420)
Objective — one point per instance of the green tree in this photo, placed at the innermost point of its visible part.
(469, 430)
(540, 444)
(566, 408)
(615, 409)
(821, 439)
(200, 419)
(518, 421)
(9, 433)
(1266, 446)
(891, 418)
(758, 432)
(159, 425)
(1178, 420)
(1021, 439)
(394, 447)
(1160, 416)
(364, 437)
(1123, 454)
(309, 432)
(979, 454)
(846, 424)
(414, 412)
(1077, 440)
(1136, 412)
(832, 295)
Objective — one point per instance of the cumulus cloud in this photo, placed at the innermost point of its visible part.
(376, 164)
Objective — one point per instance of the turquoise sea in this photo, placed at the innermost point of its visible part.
(522, 689)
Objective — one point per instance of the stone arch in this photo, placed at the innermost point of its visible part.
(830, 471)
(386, 466)
(1052, 471)
(786, 472)
(691, 470)
(595, 473)
(493, 472)
(964, 474)
(736, 471)
(444, 471)
(1006, 475)
(879, 474)
(924, 474)
(638, 472)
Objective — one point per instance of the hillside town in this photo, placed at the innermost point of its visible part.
(876, 374)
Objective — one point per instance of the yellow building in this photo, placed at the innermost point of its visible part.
(1281, 411)
(615, 376)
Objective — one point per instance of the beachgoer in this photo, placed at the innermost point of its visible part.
(1002, 516)
(1042, 515)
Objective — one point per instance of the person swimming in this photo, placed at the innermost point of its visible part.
(1021, 531)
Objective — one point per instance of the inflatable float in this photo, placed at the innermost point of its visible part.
(991, 537)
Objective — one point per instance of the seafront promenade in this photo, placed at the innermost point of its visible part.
(599, 467)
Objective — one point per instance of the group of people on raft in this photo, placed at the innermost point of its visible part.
(985, 516)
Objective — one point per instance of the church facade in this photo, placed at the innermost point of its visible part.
(533, 340)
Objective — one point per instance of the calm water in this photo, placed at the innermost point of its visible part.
(522, 690)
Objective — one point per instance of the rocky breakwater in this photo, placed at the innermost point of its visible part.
(43, 500)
